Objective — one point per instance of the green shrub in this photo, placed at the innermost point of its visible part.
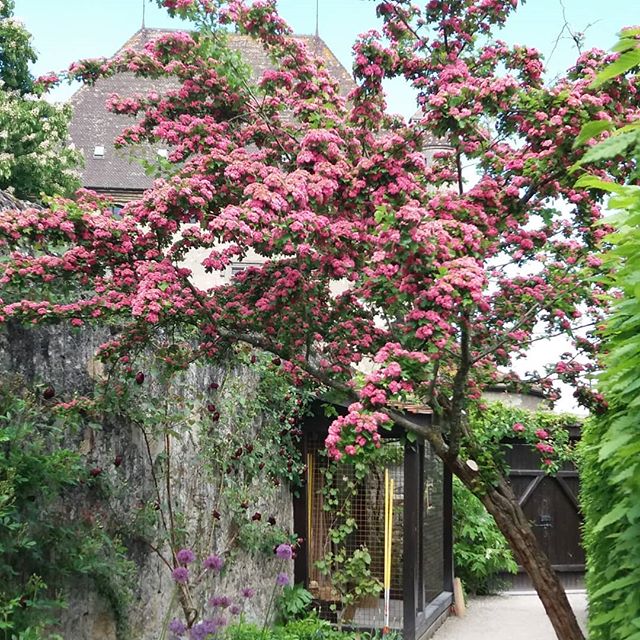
(610, 461)
(309, 628)
(480, 551)
(44, 543)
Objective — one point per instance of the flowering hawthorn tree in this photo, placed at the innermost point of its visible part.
(444, 282)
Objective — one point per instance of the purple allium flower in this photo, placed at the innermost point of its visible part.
(185, 556)
(248, 592)
(198, 632)
(284, 551)
(220, 601)
(235, 609)
(282, 579)
(180, 575)
(214, 563)
(210, 626)
(177, 627)
(219, 622)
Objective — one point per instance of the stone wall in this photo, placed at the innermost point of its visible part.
(65, 360)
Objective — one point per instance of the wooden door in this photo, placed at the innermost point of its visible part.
(551, 504)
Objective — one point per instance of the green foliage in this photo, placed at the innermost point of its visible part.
(309, 628)
(480, 551)
(16, 52)
(34, 156)
(350, 574)
(610, 448)
(293, 603)
(493, 423)
(44, 545)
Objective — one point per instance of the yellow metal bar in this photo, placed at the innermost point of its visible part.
(387, 503)
(309, 510)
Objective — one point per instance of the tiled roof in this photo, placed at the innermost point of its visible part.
(93, 126)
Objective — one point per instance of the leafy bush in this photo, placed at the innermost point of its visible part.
(42, 544)
(610, 462)
(309, 628)
(480, 551)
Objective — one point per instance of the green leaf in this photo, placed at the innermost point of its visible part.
(592, 130)
(624, 63)
(609, 518)
(620, 583)
(588, 181)
(610, 148)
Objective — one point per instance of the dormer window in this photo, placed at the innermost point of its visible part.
(163, 153)
(98, 151)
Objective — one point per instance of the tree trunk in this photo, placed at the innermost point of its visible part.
(501, 502)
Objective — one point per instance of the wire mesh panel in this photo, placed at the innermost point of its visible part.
(346, 538)
(433, 525)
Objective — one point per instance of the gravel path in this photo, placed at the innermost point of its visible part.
(507, 617)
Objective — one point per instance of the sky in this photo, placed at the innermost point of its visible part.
(67, 30)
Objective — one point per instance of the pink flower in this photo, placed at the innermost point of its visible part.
(543, 447)
(518, 427)
(542, 434)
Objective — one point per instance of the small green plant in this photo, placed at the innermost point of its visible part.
(293, 603)
(350, 574)
(480, 551)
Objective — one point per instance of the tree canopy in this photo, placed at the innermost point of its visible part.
(34, 155)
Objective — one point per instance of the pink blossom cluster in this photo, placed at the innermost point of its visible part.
(354, 433)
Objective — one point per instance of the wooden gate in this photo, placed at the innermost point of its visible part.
(551, 504)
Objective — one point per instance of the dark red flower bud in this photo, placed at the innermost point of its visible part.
(139, 377)
(271, 520)
(211, 408)
(216, 416)
(261, 466)
(215, 514)
(117, 461)
(48, 393)
(253, 359)
(276, 362)
(96, 471)
(213, 386)
(248, 448)
(257, 516)
(238, 452)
